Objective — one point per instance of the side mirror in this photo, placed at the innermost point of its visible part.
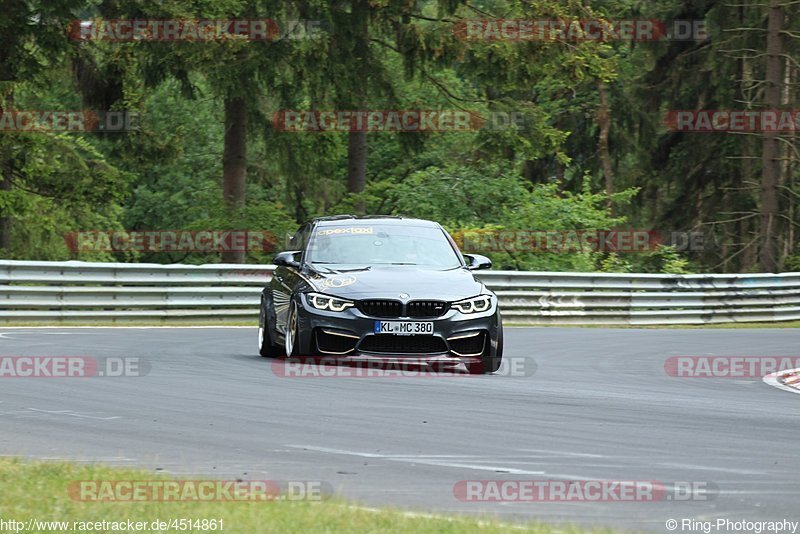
(287, 259)
(476, 262)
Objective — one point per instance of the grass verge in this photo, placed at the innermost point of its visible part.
(39, 491)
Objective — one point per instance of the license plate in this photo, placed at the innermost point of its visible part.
(404, 328)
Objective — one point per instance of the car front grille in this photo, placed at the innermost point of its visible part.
(426, 308)
(393, 344)
(394, 308)
(381, 308)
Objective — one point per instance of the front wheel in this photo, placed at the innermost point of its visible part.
(489, 364)
(291, 336)
(266, 347)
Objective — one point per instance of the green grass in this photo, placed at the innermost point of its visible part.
(38, 490)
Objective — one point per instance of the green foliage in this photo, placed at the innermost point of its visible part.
(792, 264)
(487, 197)
(614, 263)
(540, 174)
(61, 184)
(667, 260)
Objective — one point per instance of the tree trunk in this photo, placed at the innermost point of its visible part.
(234, 165)
(789, 161)
(357, 165)
(529, 170)
(357, 141)
(604, 122)
(770, 153)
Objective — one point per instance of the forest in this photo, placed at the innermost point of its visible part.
(551, 117)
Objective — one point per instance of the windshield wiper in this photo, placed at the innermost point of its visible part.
(342, 269)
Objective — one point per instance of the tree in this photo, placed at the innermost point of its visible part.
(234, 163)
(770, 162)
(24, 27)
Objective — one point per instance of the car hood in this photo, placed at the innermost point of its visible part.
(389, 281)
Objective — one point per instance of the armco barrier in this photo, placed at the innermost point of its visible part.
(34, 291)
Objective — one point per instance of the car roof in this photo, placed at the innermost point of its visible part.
(346, 220)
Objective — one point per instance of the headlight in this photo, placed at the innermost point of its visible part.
(477, 304)
(326, 302)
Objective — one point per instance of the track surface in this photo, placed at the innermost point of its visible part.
(600, 406)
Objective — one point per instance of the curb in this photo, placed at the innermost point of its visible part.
(788, 380)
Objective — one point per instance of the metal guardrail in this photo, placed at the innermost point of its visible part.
(75, 291)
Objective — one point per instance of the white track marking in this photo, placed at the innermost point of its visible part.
(4, 334)
(474, 467)
(710, 468)
(70, 413)
(98, 459)
(461, 456)
(421, 459)
(772, 380)
(558, 454)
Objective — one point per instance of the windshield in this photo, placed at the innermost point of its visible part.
(381, 244)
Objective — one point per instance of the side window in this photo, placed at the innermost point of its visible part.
(299, 239)
(296, 240)
(455, 246)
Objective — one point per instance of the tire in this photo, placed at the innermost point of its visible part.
(489, 364)
(266, 347)
(291, 338)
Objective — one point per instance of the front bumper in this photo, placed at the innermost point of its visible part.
(350, 336)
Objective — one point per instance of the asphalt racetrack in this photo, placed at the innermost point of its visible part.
(600, 405)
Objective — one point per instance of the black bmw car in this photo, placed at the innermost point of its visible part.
(381, 288)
